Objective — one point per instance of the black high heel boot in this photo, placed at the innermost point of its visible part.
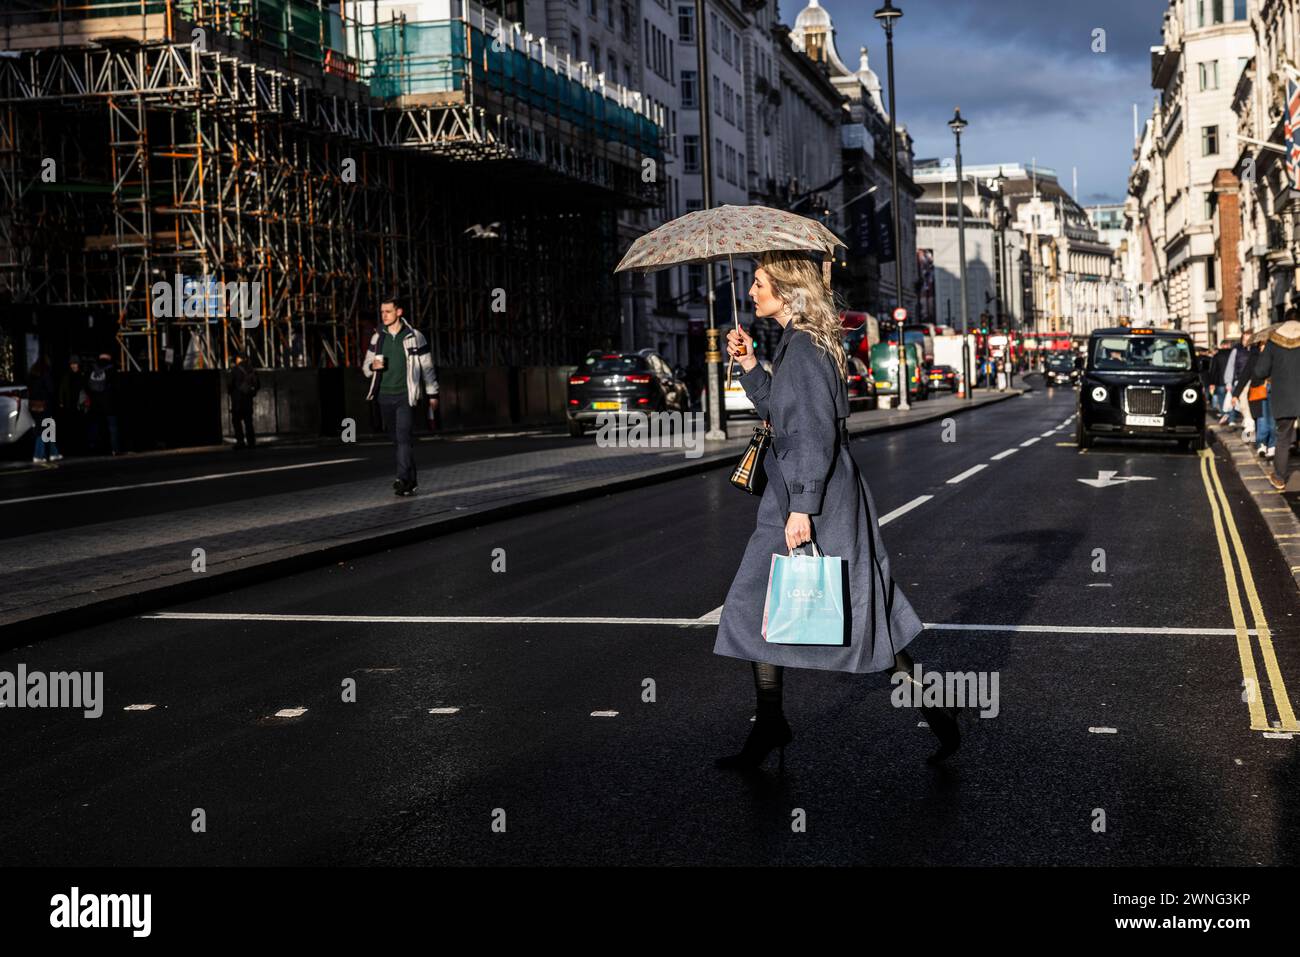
(944, 726)
(940, 721)
(770, 730)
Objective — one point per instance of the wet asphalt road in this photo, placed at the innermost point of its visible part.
(1178, 772)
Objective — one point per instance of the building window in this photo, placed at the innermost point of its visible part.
(594, 51)
(731, 165)
(609, 14)
(728, 105)
(627, 24)
(725, 40)
(717, 96)
(691, 206)
(591, 9)
(1209, 74)
(735, 42)
(695, 271)
(713, 31)
(672, 59)
(1239, 10)
(740, 110)
(690, 95)
(690, 154)
(613, 67)
(1209, 140)
(685, 24)
(1211, 282)
(1209, 205)
(627, 75)
(575, 44)
(741, 171)
(1216, 11)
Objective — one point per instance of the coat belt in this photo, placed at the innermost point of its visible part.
(778, 441)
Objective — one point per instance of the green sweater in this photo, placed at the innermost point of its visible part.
(393, 349)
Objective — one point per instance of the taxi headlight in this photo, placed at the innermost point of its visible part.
(1099, 394)
(1190, 395)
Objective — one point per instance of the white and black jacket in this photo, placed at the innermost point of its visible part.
(419, 365)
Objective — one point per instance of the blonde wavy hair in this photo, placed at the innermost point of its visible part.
(797, 281)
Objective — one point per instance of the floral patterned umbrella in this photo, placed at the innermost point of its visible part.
(713, 234)
(706, 235)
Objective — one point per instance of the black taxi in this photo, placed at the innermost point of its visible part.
(1140, 383)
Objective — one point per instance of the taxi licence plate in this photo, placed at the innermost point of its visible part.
(605, 405)
(1156, 420)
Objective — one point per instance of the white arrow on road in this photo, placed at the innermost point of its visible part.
(1106, 479)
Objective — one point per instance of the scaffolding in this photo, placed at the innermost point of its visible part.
(149, 145)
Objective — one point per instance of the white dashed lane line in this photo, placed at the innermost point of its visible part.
(1028, 442)
(1003, 454)
(903, 509)
(967, 474)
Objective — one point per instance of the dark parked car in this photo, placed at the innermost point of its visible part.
(1140, 384)
(943, 377)
(623, 382)
(860, 383)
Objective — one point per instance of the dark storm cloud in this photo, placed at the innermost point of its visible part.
(1023, 72)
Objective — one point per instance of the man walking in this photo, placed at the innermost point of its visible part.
(243, 387)
(1218, 365)
(400, 368)
(1280, 362)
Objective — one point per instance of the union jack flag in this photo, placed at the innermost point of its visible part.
(1292, 129)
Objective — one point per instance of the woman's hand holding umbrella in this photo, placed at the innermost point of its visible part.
(741, 348)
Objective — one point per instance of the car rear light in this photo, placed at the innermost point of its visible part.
(640, 379)
(573, 402)
(578, 379)
(642, 401)
(855, 378)
(612, 355)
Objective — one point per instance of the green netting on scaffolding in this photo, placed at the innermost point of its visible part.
(415, 58)
(291, 26)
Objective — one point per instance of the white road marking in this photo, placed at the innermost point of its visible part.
(1103, 731)
(443, 710)
(679, 622)
(1003, 454)
(967, 474)
(902, 510)
(1100, 584)
(1047, 433)
(139, 707)
(712, 616)
(1284, 735)
(604, 714)
(183, 481)
(1028, 442)
(1105, 479)
(291, 712)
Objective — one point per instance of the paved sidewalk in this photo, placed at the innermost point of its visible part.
(1278, 509)
(57, 581)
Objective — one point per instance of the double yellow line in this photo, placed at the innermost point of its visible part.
(1253, 694)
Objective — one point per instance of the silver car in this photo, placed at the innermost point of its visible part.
(15, 413)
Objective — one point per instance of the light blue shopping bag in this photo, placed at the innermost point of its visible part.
(805, 600)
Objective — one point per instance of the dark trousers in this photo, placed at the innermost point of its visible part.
(399, 418)
(1285, 429)
(243, 421)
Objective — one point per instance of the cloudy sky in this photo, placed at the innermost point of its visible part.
(1023, 73)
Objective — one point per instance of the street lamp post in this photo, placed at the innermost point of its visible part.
(712, 348)
(887, 15)
(957, 124)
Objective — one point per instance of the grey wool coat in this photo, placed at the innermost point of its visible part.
(809, 469)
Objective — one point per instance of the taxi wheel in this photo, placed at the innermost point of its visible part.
(1196, 444)
(1081, 438)
(575, 429)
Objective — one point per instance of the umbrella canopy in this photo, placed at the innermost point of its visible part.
(712, 234)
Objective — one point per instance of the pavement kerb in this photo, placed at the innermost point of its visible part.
(187, 586)
(1273, 507)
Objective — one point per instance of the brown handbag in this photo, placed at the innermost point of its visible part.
(749, 475)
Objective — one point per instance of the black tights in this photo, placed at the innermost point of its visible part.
(769, 680)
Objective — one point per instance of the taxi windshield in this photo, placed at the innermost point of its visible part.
(1145, 353)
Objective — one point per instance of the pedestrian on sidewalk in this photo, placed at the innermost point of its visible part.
(1218, 366)
(1280, 363)
(1232, 375)
(101, 384)
(1252, 392)
(242, 390)
(814, 493)
(42, 400)
(74, 405)
(400, 369)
